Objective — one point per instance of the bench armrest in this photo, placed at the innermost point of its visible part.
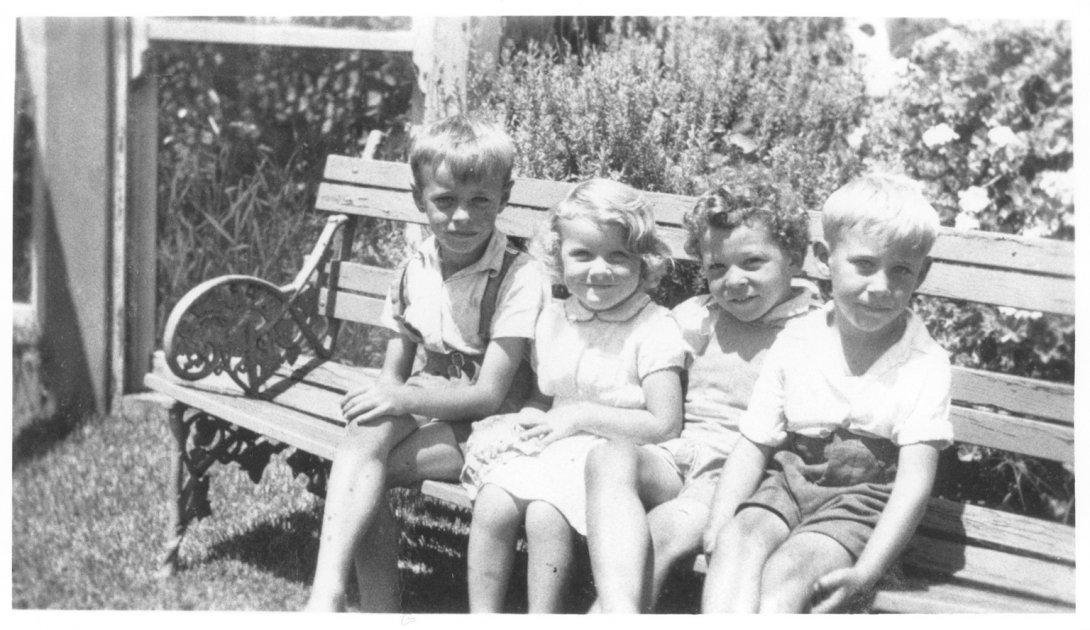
(243, 326)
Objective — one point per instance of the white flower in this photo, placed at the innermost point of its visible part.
(1058, 185)
(1036, 230)
(1003, 136)
(972, 200)
(966, 222)
(940, 134)
(855, 138)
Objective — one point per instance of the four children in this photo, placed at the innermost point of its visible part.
(829, 468)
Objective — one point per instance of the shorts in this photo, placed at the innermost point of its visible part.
(836, 486)
(697, 464)
(424, 379)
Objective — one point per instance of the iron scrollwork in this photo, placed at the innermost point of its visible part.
(244, 327)
(209, 440)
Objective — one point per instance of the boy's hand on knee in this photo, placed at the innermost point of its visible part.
(380, 399)
(837, 589)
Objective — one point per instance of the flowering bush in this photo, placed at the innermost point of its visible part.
(984, 118)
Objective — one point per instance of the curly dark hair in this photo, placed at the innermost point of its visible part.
(779, 209)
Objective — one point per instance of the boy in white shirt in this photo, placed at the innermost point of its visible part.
(846, 421)
(469, 301)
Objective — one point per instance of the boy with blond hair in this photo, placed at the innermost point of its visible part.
(843, 431)
(470, 302)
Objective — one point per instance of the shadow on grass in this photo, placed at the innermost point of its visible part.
(40, 437)
(286, 546)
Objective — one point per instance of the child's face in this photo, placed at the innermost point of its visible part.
(873, 280)
(748, 272)
(462, 214)
(597, 266)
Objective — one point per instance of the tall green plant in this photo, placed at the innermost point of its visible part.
(698, 102)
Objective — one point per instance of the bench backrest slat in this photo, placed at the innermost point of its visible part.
(1016, 394)
(1004, 270)
(988, 268)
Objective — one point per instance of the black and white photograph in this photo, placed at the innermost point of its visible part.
(530, 312)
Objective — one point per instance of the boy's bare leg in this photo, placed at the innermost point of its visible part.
(789, 575)
(493, 534)
(376, 564)
(621, 479)
(733, 582)
(677, 530)
(355, 491)
(430, 452)
(550, 556)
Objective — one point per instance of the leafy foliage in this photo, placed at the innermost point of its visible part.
(244, 134)
(984, 119)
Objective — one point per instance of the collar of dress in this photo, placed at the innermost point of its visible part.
(626, 310)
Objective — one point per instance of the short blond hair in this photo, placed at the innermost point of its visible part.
(470, 147)
(607, 202)
(884, 203)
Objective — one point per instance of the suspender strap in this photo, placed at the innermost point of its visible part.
(488, 298)
(491, 294)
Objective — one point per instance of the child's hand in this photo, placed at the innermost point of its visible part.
(379, 399)
(711, 533)
(836, 589)
(550, 426)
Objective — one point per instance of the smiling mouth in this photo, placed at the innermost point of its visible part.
(742, 300)
(876, 309)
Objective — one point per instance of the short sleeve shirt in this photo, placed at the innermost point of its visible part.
(805, 387)
(727, 355)
(444, 315)
(603, 357)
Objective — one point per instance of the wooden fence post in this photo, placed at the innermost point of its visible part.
(140, 254)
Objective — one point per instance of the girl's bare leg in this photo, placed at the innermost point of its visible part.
(549, 540)
(621, 479)
(493, 533)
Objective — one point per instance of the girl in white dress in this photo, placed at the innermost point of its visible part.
(611, 361)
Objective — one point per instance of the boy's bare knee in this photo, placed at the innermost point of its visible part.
(676, 531)
(752, 532)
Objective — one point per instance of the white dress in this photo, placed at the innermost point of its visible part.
(580, 356)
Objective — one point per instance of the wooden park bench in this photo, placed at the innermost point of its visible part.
(248, 365)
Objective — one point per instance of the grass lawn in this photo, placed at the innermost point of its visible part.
(90, 508)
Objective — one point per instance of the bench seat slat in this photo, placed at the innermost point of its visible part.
(1017, 574)
(308, 432)
(948, 598)
(1014, 532)
(330, 375)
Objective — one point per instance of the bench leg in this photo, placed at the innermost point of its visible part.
(202, 440)
(168, 561)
